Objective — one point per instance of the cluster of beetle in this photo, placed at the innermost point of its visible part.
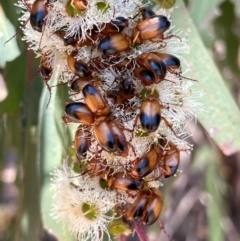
(94, 114)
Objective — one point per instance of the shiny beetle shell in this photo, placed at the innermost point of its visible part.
(97, 167)
(122, 144)
(81, 144)
(147, 207)
(150, 114)
(154, 63)
(146, 76)
(136, 212)
(171, 162)
(148, 162)
(78, 67)
(114, 44)
(38, 14)
(79, 112)
(124, 182)
(153, 26)
(153, 208)
(169, 60)
(120, 23)
(147, 13)
(94, 100)
(105, 136)
(45, 72)
(126, 89)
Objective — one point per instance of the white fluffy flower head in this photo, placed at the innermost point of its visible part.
(81, 203)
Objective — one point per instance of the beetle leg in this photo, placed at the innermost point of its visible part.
(130, 194)
(170, 127)
(50, 92)
(172, 36)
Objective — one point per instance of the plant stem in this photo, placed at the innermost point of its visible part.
(140, 231)
(122, 237)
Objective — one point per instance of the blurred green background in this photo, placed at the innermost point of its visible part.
(201, 203)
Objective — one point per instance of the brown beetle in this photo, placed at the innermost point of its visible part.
(37, 14)
(81, 144)
(73, 40)
(78, 67)
(105, 135)
(170, 160)
(99, 168)
(121, 142)
(115, 26)
(79, 112)
(126, 90)
(150, 114)
(155, 64)
(151, 28)
(147, 207)
(147, 163)
(171, 61)
(121, 181)
(114, 44)
(92, 96)
(147, 13)
(119, 23)
(146, 76)
(45, 70)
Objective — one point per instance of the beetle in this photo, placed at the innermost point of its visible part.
(114, 44)
(73, 40)
(171, 61)
(79, 112)
(113, 27)
(150, 29)
(147, 163)
(126, 90)
(150, 114)
(99, 168)
(121, 142)
(37, 14)
(45, 70)
(107, 133)
(146, 76)
(147, 13)
(104, 135)
(170, 160)
(92, 96)
(121, 181)
(119, 23)
(153, 63)
(147, 206)
(81, 144)
(78, 67)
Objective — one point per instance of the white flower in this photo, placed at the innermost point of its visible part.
(82, 204)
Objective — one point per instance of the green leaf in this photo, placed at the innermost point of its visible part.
(206, 161)
(52, 149)
(10, 50)
(16, 79)
(221, 118)
(215, 207)
(202, 12)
